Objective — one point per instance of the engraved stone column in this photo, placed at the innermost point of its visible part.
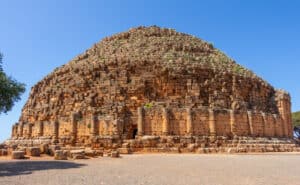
(13, 130)
(116, 129)
(279, 124)
(212, 123)
(165, 124)
(276, 134)
(93, 125)
(16, 129)
(40, 128)
(264, 124)
(73, 127)
(29, 133)
(284, 106)
(284, 130)
(20, 129)
(250, 122)
(105, 127)
(189, 123)
(233, 125)
(55, 130)
(140, 122)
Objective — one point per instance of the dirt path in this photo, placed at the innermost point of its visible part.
(157, 169)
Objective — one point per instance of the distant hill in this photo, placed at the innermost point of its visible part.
(296, 118)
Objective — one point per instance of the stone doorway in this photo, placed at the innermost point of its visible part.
(133, 132)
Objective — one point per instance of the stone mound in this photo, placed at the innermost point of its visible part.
(146, 64)
(151, 82)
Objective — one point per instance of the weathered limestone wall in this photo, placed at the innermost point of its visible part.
(258, 124)
(105, 127)
(184, 122)
(241, 123)
(284, 107)
(162, 120)
(153, 123)
(64, 128)
(222, 123)
(200, 122)
(48, 128)
(178, 122)
(159, 121)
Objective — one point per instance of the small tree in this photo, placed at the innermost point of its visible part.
(10, 90)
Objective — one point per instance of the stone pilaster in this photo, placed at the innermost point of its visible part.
(264, 123)
(93, 125)
(29, 133)
(250, 123)
(116, 129)
(212, 123)
(276, 134)
(20, 129)
(280, 131)
(189, 122)
(140, 122)
(233, 125)
(73, 127)
(284, 129)
(165, 123)
(40, 128)
(13, 130)
(55, 130)
(284, 107)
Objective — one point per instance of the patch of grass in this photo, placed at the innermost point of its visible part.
(148, 105)
(89, 125)
(237, 69)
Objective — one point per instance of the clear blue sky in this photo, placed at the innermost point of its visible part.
(37, 36)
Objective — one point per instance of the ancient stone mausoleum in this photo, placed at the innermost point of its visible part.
(157, 83)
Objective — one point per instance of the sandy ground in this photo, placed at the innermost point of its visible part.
(156, 169)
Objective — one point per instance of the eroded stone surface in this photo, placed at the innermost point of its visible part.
(18, 155)
(153, 89)
(61, 155)
(33, 151)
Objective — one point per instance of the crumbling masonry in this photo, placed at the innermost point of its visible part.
(154, 89)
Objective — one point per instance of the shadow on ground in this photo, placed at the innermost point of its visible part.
(27, 167)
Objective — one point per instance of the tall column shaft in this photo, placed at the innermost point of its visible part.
(284, 106)
(55, 129)
(189, 123)
(276, 134)
(264, 124)
(212, 123)
(20, 129)
(284, 129)
(165, 117)
(13, 130)
(250, 123)
(233, 125)
(40, 128)
(29, 133)
(93, 125)
(74, 127)
(140, 123)
(116, 130)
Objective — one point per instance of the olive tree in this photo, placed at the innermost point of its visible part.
(10, 90)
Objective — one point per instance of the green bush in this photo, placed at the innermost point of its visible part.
(296, 118)
(148, 105)
(10, 90)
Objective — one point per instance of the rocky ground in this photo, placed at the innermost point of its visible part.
(156, 169)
